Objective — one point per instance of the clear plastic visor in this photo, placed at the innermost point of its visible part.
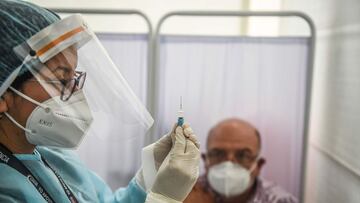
(67, 57)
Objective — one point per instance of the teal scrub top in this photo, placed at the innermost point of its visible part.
(85, 184)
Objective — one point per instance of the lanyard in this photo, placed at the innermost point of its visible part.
(9, 159)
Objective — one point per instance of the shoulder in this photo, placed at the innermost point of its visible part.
(59, 155)
(199, 193)
(270, 192)
(55, 151)
(66, 162)
(69, 166)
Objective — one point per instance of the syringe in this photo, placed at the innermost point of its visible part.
(180, 114)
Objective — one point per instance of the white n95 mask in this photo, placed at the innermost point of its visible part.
(229, 179)
(55, 123)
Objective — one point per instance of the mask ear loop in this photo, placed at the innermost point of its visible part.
(252, 168)
(47, 109)
(18, 124)
(14, 121)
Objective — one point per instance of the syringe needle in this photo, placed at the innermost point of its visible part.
(181, 106)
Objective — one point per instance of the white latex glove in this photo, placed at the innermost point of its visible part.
(163, 146)
(161, 149)
(179, 172)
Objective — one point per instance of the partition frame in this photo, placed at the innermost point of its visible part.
(309, 75)
(153, 56)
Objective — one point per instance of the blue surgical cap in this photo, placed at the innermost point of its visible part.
(19, 20)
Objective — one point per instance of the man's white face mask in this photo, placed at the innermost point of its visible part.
(230, 179)
(54, 125)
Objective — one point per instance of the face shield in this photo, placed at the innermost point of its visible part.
(65, 58)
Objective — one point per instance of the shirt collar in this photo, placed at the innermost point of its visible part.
(35, 156)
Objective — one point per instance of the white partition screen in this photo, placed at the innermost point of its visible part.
(261, 80)
(116, 159)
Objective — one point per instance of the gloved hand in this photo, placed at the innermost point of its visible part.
(161, 149)
(163, 146)
(178, 166)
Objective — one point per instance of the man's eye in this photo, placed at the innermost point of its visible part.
(217, 153)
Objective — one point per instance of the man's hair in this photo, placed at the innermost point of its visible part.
(211, 132)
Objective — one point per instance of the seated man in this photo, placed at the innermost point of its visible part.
(233, 165)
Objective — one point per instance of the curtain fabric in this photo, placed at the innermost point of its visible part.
(261, 80)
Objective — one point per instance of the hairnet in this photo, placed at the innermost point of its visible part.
(19, 21)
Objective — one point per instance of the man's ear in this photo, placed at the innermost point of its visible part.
(260, 163)
(3, 106)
